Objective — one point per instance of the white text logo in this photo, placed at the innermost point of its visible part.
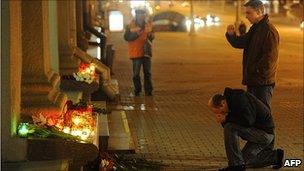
(292, 162)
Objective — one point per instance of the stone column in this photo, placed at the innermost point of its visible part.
(53, 27)
(39, 82)
(13, 149)
(93, 11)
(67, 37)
(82, 42)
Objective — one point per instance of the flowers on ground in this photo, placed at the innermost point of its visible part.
(78, 122)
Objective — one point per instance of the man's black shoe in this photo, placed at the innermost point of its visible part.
(234, 168)
(279, 161)
(148, 94)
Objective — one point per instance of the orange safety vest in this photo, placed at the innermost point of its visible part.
(136, 47)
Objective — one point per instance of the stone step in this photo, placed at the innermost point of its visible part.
(102, 130)
(58, 98)
(37, 104)
(114, 82)
(58, 165)
(43, 88)
(54, 78)
(43, 98)
(120, 139)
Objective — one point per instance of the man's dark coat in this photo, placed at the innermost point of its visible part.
(260, 55)
(246, 110)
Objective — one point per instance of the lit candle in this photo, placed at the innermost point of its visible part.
(23, 129)
(76, 120)
(76, 132)
(92, 67)
(67, 130)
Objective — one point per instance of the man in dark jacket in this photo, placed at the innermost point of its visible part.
(260, 55)
(243, 115)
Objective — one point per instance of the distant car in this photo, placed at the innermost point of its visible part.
(211, 19)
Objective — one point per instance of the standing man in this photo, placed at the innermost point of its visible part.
(139, 36)
(243, 115)
(260, 55)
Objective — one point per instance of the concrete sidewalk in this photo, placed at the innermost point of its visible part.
(174, 126)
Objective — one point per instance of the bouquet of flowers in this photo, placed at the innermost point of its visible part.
(86, 73)
(43, 127)
(79, 121)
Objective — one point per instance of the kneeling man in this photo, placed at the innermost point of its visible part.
(243, 115)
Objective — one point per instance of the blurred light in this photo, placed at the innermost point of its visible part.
(76, 132)
(188, 24)
(133, 12)
(120, 1)
(216, 24)
(157, 7)
(107, 4)
(142, 107)
(66, 130)
(209, 18)
(198, 23)
(185, 4)
(137, 4)
(116, 21)
(265, 1)
(150, 9)
(92, 67)
(77, 120)
(196, 20)
(23, 129)
(98, 40)
(216, 19)
(302, 25)
(98, 53)
(212, 20)
(209, 23)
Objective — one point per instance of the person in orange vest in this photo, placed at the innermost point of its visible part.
(139, 36)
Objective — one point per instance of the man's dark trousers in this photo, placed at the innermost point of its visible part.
(146, 63)
(263, 93)
(256, 152)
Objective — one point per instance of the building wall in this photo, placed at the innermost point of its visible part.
(13, 149)
(53, 34)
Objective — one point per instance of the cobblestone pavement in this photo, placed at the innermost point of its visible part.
(174, 126)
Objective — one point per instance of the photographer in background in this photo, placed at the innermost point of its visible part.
(139, 36)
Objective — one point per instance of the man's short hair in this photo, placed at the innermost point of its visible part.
(256, 5)
(217, 99)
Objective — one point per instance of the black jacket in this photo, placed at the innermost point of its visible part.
(260, 55)
(246, 110)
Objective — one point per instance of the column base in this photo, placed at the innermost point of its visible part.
(43, 96)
